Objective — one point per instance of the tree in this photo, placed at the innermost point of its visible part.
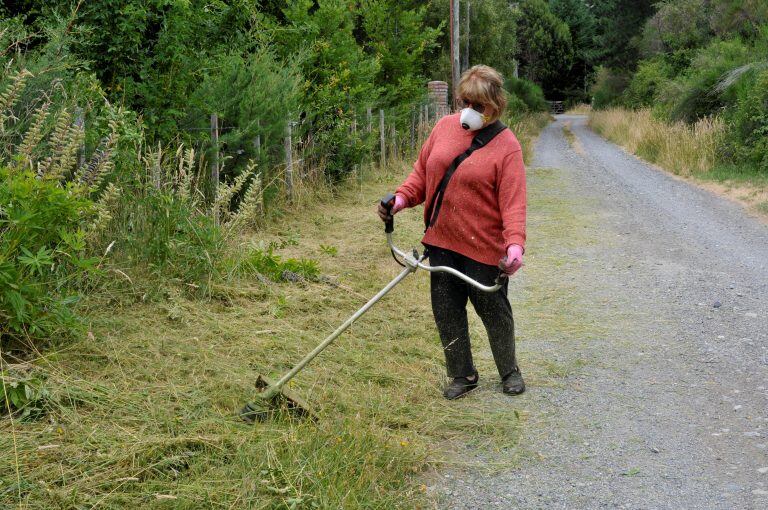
(619, 23)
(545, 45)
(581, 21)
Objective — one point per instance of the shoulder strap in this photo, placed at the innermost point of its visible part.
(481, 139)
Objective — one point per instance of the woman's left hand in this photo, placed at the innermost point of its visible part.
(514, 260)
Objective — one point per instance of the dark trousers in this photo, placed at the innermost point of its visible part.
(449, 306)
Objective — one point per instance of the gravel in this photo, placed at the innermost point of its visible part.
(670, 408)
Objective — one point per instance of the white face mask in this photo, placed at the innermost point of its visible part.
(471, 119)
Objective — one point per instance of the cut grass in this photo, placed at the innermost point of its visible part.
(152, 419)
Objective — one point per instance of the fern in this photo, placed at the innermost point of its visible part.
(9, 97)
(33, 136)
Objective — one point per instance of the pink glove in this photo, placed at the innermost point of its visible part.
(399, 204)
(514, 260)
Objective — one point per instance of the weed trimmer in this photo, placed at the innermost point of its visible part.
(274, 395)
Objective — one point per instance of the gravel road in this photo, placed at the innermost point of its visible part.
(669, 408)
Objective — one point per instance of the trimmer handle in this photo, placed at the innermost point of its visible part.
(503, 276)
(388, 202)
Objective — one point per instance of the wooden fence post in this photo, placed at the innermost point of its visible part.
(215, 162)
(289, 160)
(370, 122)
(393, 149)
(257, 140)
(382, 143)
(413, 129)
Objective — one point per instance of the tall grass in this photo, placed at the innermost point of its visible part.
(678, 147)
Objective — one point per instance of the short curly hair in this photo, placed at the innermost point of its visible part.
(484, 85)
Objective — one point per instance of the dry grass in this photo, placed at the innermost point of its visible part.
(580, 109)
(145, 408)
(688, 151)
(679, 148)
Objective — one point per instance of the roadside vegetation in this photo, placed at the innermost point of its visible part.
(141, 410)
(149, 270)
(696, 100)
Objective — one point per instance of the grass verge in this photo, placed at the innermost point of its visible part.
(141, 412)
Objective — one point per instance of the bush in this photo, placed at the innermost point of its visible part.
(43, 255)
(608, 88)
(748, 138)
(693, 95)
(651, 75)
(529, 94)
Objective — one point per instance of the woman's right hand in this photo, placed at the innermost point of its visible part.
(398, 206)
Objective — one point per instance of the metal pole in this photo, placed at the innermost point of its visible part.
(274, 390)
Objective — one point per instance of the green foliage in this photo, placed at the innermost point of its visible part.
(25, 396)
(571, 81)
(43, 256)
(692, 95)
(651, 76)
(545, 44)
(619, 22)
(266, 262)
(163, 232)
(399, 40)
(254, 94)
(530, 95)
(748, 139)
(493, 35)
(608, 88)
(692, 24)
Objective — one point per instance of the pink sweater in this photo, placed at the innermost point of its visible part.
(483, 209)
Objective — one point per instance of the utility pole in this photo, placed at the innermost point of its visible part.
(465, 57)
(455, 64)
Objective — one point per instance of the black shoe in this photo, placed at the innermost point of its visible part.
(460, 386)
(513, 383)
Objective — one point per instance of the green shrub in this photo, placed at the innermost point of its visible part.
(608, 88)
(27, 396)
(693, 94)
(43, 255)
(530, 95)
(748, 137)
(651, 75)
(264, 261)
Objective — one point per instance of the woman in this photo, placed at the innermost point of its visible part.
(480, 221)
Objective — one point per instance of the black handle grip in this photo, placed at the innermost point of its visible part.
(388, 202)
(503, 276)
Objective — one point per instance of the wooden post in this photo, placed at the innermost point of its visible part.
(413, 129)
(257, 140)
(215, 162)
(289, 160)
(465, 57)
(382, 142)
(455, 64)
(394, 142)
(370, 117)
